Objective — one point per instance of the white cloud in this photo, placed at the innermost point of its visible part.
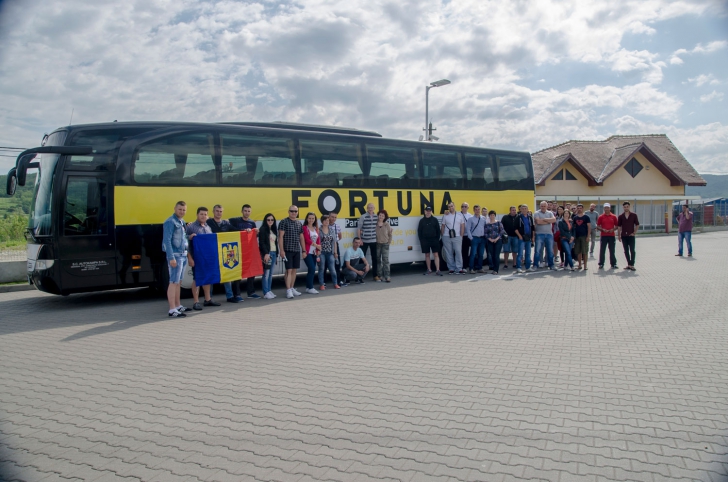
(703, 79)
(713, 96)
(335, 62)
(698, 49)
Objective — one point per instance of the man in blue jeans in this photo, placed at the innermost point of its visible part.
(174, 245)
(685, 230)
(474, 230)
(543, 218)
(524, 233)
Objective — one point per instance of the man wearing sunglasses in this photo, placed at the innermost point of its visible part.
(290, 245)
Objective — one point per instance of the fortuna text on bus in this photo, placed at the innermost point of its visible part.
(329, 200)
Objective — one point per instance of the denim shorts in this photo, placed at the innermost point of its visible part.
(512, 245)
(175, 274)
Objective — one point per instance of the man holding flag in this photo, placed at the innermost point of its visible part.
(193, 229)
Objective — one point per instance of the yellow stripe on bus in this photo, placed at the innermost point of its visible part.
(152, 205)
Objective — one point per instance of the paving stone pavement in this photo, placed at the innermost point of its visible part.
(598, 375)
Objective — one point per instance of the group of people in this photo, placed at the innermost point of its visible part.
(315, 241)
(468, 242)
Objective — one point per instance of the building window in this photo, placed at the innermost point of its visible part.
(564, 174)
(633, 167)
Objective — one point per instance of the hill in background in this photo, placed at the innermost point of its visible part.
(717, 187)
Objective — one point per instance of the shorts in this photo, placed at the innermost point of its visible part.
(293, 261)
(581, 245)
(512, 245)
(175, 274)
(431, 244)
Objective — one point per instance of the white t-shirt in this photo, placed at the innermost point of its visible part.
(314, 240)
(453, 221)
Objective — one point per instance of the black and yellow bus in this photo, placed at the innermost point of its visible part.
(103, 190)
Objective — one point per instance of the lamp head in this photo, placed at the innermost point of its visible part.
(439, 83)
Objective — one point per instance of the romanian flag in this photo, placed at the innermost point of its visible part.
(224, 257)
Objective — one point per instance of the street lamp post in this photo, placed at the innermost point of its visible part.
(438, 83)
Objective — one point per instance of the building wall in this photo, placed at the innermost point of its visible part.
(648, 182)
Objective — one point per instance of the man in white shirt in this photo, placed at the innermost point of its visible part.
(466, 241)
(453, 229)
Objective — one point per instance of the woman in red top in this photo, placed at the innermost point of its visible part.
(311, 238)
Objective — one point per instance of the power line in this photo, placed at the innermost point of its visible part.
(13, 148)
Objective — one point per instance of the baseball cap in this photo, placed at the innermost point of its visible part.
(428, 208)
(607, 205)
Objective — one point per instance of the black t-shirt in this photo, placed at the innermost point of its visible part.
(581, 225)
(509, 224)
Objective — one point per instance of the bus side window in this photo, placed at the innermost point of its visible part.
(182, 159)
(441, 170)
(479, 172)
(392, 167)
(251, 160)
(331, 164)
(513, 173)
(85, 207)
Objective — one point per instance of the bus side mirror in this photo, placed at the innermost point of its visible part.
(12, 183)
(23, 165)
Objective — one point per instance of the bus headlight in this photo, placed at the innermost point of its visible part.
(42, 264)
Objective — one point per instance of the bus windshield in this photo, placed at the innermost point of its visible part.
(40, 212)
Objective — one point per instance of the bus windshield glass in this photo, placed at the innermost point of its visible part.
(39, 222)
(40, 212)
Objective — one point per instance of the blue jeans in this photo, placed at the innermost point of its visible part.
(327, 259)
(523, 246)
(566, 249)
(268, 272)
(687, 236)
(477, 246)
(548, 240)
(232, 289)
(310, 261)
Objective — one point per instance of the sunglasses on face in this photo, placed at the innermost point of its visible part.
(292, 211)
(269, 220)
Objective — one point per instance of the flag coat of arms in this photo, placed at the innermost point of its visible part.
(224, 257)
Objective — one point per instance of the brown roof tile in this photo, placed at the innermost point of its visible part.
(602, 158)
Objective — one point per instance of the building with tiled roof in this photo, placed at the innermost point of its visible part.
(647, 170)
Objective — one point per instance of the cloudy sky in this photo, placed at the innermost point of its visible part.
(525, 74)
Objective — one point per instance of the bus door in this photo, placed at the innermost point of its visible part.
(86, 243)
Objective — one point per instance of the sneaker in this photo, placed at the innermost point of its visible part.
(176, 314)
(482, 271)
(438, 273)
(312, 291)
(462, 271)
(451, 272)
(289, 294)
(520, 271)
(197, 306)
(183, 309)
(337, 287)
(240, 299)
(532, 268)
(377, 278)
(601, 266)
(269, 295)
(295, 292)
(427, 272)
(210, 302)
(615, 267)
(690, 255)
(232, 300)
(322, 288)
(344, 284)
(255, 296)
(360, 281)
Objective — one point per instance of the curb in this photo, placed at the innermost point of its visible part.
(18, 287)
